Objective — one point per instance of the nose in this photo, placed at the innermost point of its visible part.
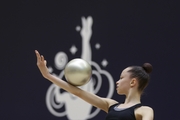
(117, 82)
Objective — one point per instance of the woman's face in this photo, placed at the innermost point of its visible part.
(123, 84)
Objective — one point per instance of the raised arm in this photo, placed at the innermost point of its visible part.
(102, 103)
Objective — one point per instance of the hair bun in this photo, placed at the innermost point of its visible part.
(147, 67)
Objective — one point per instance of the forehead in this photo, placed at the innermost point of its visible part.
(125, 71)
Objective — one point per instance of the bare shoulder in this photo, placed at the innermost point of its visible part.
(146, 108)
(145, 112)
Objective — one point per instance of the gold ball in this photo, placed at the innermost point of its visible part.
(78, 72)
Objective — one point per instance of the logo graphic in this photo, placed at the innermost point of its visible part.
(61, 103)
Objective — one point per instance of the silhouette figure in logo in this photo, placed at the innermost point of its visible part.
(68, 100)
(131, 83)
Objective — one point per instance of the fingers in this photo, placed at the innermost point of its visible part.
(38, 55)
(40, 58)
(45, 62)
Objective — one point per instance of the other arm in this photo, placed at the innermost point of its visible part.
(147, 113)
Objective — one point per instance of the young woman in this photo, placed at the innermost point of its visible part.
(132, 82)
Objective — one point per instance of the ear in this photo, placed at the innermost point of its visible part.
(133, 82)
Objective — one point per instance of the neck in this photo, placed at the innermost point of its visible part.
(133, 98)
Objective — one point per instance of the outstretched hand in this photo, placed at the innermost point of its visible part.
(41, 63)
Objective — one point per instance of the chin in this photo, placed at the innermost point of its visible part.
(120, 93)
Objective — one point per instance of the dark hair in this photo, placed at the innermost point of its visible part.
(142, 74)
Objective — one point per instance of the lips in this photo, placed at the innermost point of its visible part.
(116, 87)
